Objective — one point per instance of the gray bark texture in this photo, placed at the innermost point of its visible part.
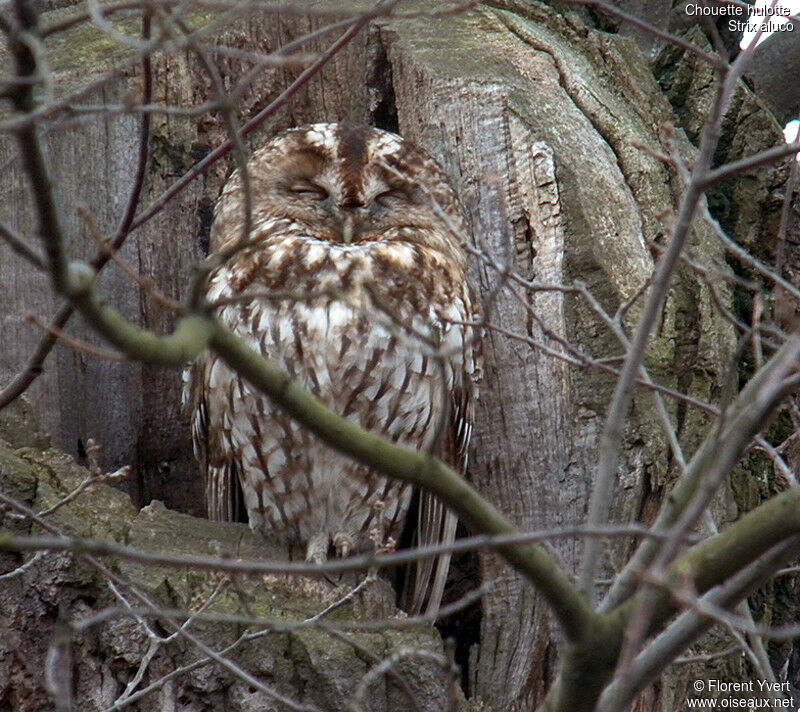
(548, 130)
(94, 665)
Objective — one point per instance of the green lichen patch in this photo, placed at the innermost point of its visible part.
(99, 511)
(18, 479)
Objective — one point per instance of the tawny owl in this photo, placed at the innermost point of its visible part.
(353, 278)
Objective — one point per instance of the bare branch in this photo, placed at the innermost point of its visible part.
(389, 664)
(688, 627)
(34, 367)
(743, 165)
(73, 343)
(615, 419)
(747, 416)
(20, 246)
(199, 168)
(20, 543)
(715, 61)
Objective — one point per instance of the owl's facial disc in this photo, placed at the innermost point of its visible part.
(347, 215)
(348, 185)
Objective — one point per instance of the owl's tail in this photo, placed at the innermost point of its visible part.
(436, 525)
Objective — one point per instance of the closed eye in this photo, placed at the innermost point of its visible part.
(390, 197)
(308, 189)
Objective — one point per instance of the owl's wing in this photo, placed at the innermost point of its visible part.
(218, 470)
(436, 523)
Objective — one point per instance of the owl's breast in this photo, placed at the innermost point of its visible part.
(364, 368)
(353, 326)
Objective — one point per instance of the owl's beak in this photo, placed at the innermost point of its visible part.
(352, 218)
(348, 226)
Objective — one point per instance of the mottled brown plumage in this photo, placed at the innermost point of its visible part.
(353, 280)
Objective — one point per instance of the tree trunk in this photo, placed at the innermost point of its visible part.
(549, 131)
(90, 667)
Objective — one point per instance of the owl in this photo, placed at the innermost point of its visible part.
(353, 278)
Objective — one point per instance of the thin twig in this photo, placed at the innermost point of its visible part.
(33, 369)
(19, 245)
(89, 482)
(355, 28)
(602, 490)
(22, 543)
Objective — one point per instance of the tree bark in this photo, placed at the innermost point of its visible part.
(94, 665)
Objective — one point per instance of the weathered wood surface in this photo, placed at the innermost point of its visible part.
(96, 664)
(539, 121)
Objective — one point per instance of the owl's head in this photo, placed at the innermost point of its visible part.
(345, 184)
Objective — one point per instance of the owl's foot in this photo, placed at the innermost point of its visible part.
(317, 551)
(343, 543)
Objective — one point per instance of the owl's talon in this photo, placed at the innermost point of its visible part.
(343, 543)
(317, 551)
